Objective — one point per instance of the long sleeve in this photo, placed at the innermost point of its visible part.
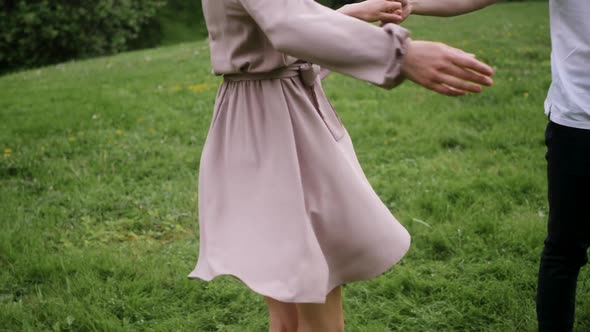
(309, 31)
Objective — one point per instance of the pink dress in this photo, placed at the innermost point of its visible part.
(284, 205)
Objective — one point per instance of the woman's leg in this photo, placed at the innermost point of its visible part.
(327, 317)
(283, 316)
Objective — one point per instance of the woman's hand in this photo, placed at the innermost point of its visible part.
(400, 14)
(386, 11)
(444, 69)
(406, 11)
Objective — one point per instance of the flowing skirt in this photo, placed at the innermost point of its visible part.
(284, 205)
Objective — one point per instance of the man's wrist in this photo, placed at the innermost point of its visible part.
(414, 6)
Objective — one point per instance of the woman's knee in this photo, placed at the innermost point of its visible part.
(317, 326)
(327, 317)
(282, 316)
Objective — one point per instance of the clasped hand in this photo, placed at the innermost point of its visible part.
(435, 66)
(385, 11)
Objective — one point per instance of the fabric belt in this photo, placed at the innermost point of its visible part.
(308, 73)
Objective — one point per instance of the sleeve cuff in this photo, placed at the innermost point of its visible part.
(400, 40)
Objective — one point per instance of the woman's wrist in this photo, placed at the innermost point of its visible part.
(353, 10)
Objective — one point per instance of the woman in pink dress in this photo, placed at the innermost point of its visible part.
(284, 205)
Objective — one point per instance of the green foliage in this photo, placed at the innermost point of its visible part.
(39, 32)
(181, 21)
(98, 191)
(336, 3)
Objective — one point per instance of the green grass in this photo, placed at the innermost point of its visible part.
(98, 196)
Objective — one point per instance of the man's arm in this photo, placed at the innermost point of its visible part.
(447, 7)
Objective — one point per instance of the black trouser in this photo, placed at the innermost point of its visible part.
(568, 231)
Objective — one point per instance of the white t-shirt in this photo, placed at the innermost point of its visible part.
(568, 100)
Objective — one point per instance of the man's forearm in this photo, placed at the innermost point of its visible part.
(447, 7)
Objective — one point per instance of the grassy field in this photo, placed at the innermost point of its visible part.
(98, 182)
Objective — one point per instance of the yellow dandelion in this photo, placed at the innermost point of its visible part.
(526, 94)
(177, 88)
(7, 155)
(152, 130)
(72, 139)
(119, 132)
(199, 87)
(8, 151)
(42, 149)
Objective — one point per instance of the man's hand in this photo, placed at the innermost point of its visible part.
(445, 69)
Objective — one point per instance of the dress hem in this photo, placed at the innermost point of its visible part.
(251, 285)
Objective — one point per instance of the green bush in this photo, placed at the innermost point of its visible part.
(336, 3)
(182, 21)
(41, 32)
